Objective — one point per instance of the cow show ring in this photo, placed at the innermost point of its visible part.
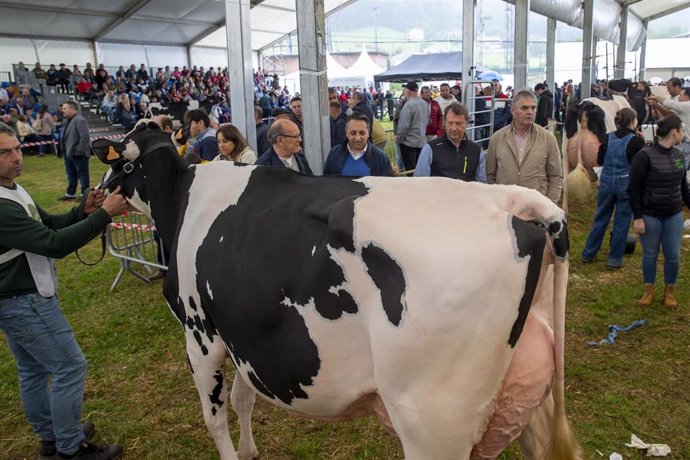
(362, 299)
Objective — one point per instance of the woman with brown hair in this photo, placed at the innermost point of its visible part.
(233, 146)
(658, 190)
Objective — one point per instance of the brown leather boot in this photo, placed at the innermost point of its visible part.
(648, 296)
(670, 296)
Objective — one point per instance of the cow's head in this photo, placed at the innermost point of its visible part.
(125, 160)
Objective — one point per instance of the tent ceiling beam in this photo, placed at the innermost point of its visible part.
(56, 10)
(275, 42)
(675, 9)
(276, 8)
(147, 42)
(129, 12)
(170, 20)
(208, 31)
(44, 37)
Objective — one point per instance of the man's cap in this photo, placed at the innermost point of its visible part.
(412, 86)
(280, 111)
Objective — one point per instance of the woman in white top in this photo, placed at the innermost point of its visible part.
(233, 146)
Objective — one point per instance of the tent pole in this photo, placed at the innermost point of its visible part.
(643, 52)
(521, 64)
(238, 30)
(551, 55)
(468, 43)
(587, 54)
(622, 44)
(311, 42)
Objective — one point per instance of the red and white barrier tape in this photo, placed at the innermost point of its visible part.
(144, 227)
(34, 144)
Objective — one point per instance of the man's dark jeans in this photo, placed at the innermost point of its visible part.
(77, 168)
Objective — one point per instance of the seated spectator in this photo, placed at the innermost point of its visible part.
(357, 156)
(101, 79)
(108, 104)
(39, 73)
(24, 75)
(125, 114)
(89, 73)
(29, 99)
(75, 78)
(233, 146)
(26, 132)
(52, 76)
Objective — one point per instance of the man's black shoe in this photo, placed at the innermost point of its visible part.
(67, 198)
(88, 451)
(48, 450)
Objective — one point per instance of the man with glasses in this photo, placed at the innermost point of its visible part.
(286, 148)
(50, 363)
(453, 155)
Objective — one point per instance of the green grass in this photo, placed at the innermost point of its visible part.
(140, 393)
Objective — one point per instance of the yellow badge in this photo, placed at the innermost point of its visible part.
(112, 154)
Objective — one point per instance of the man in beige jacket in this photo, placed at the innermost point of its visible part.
(523, 153)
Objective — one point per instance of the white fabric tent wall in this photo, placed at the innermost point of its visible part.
(49, 52)
(116, 54)
(210, 56)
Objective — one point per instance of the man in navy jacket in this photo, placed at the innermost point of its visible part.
(357, 156)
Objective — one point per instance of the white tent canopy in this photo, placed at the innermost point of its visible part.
(365, 67)
(333, 67)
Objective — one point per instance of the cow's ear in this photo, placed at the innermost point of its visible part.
(107, 151)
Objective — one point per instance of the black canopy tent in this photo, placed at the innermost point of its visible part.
(428, 67)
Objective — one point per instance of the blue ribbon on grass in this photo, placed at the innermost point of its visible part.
(614, 330)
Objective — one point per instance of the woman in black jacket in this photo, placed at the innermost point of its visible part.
(658, 189)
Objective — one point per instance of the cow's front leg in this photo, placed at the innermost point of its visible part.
(207, 362)
(242, 398)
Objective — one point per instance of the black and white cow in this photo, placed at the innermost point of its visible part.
(339, 298)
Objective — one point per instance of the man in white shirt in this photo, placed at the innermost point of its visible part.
(445, 98)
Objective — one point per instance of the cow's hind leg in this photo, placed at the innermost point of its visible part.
(207, 362)
(537, 434)
(242, 398)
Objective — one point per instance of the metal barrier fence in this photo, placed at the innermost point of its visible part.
(479, 133)
(132, 239)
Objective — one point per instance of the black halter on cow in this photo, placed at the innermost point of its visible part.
(419, 300)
